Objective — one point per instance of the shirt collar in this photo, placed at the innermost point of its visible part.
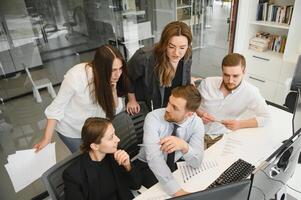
(187, 121)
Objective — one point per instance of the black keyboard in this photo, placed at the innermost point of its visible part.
(236, 172)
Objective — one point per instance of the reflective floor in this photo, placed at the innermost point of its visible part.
(22, 124)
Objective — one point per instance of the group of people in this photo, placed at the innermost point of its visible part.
(182, 122)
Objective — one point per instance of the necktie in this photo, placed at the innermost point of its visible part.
(171, 156)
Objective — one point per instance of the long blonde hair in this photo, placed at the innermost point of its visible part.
(163, 67)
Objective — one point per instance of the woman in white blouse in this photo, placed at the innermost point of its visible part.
(88, 90)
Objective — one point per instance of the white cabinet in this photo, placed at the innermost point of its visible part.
(263, 65)
(269, 71)
(267, 87)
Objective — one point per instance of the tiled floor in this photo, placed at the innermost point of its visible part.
(23, 127)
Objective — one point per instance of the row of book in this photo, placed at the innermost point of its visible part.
(265, 41)
(274, 13)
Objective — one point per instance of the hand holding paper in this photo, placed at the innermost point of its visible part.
(29, 161)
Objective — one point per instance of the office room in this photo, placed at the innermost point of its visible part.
(43, 41)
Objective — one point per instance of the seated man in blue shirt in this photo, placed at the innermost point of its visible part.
(171, 133)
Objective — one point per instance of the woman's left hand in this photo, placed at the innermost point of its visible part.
(123, 158)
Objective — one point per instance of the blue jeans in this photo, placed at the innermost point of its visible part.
(72, 144)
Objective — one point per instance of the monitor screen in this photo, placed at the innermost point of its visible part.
(233, 191)
(297, 114)
(296, 81)
(272, 174)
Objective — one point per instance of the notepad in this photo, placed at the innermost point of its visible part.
(188, 172)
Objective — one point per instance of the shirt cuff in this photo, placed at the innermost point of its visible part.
(120, 106)
(262, 121)
(171, 187)
(189, 154)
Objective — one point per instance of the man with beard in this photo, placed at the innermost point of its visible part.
(171, 133)
(229, 102)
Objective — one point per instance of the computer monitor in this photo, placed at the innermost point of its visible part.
(297, 114)
(233, 191)
(269, 178)
(296, 81)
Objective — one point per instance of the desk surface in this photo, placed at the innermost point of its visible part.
(251, 144)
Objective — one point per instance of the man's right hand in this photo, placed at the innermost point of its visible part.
(41, 144)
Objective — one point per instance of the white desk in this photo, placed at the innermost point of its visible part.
(252, 145)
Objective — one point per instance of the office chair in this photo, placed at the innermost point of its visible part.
(53, 177)
(129, 128)
(290, 101)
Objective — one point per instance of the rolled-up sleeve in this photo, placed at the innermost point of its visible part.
(67, 90)
(260, 108)
(155, 157)
(120, 106)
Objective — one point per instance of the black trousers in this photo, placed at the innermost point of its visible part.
(147, 176)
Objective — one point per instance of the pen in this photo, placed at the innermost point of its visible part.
(146, 144)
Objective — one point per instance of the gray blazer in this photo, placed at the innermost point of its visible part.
(143, 80)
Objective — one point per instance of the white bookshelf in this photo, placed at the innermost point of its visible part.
(270, 71)
(270, 24)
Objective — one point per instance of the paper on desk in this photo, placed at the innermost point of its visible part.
(154, 193)
(251, 149)
(188, 172)
(22, 162)
(202, 180)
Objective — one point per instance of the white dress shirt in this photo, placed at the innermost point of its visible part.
(155, 128)
(245, 102)
(73, 104)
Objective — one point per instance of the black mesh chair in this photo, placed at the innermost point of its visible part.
(53, 177)
(129, 128)
(290, 101)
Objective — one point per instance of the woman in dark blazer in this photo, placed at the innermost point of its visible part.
(155, 72)
(102, 171)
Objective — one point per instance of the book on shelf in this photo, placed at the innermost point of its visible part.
(270, 12)
(265, 41)
(262, 42)
(259, 44)
(257, 48)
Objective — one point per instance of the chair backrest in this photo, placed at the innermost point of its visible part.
(53, 177)
(290, 101)
(129, 128)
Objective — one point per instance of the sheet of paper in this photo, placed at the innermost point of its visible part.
(202, 180)
(28, 161)
(156, 193)
(231, 146)
(188, 172)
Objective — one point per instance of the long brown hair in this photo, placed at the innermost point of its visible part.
(100, 87)
(163, 67)
(93, 131)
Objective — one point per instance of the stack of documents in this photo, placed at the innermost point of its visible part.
(24, 167)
